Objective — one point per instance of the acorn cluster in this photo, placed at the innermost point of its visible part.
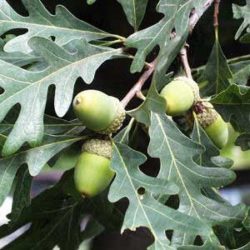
(181, 95)
(104, 115)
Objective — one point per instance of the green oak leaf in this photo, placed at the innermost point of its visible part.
(239, 68)
(134, 10)
(21, 197)
(52, 125)
(30, 89)
(234, 105)
(176, 153)
(210, 150)
(217, 73)
(210, 157)
(143, 209)
(124, 135)
(242, 12)
(240, 71)
(63, 25)
(208, 245)
(56, 217)
(18, 58)
(176, 16)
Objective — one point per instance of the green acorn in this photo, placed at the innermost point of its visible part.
(180, 95)
(99, 112)
(92, 172)
(212, 122)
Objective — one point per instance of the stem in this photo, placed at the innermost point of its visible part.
(216, 19)
(108, 43)
(139, 84)
(185, 63)
(192, 22)
(121, 38)
(216, 13)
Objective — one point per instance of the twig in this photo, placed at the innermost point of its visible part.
(139, 84)
(216, 13)
(192, 22)
(185, 63)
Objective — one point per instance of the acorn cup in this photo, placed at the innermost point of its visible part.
(92, 172)
(212, 122)
(99, 112)
(180, 95)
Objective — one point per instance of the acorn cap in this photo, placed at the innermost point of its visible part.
(117, 121)
(98, 147)
(208, 115)
(194, 86)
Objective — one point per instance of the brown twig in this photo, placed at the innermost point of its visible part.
(138, 85)
(192, 22)
(185, 63)
(216, 13)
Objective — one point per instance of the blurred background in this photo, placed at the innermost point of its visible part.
(108, 15)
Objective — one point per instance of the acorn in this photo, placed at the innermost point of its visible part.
(92, 172)
(180, 95)
(212, 122)
(99, 112)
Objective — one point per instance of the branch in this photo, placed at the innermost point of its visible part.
(136, 89)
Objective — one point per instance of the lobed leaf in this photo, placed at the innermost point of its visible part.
(217, 73)
(176, 153)
(29, 89)
(63, 25)
(144, 210)
(176, 17)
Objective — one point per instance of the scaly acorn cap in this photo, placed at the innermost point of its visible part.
(207, 114)
(98, 147)
(193, 85)
(117, 121)
(212, 122)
